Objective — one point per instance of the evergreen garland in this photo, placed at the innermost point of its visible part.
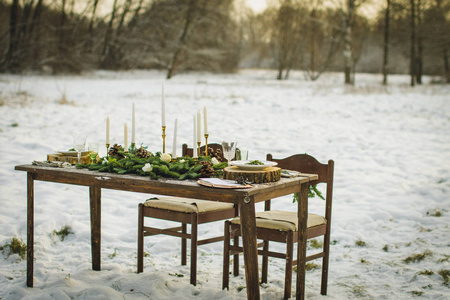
(122, 162)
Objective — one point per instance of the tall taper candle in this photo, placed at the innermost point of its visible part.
(194, 144)
(133, 128)
(199, 127)
(125, 137)
(163, 108)
(174, 149)
(107, 130)
(205, 120)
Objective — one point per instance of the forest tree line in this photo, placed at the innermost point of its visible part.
(68, 36)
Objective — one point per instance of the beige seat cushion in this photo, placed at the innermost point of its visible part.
(186, 205)
(282, 220)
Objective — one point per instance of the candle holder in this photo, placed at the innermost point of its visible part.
(198, 148)
(164, 138)
(133, 147)
(206, 144)
(107, 150)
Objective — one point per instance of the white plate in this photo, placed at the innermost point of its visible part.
(73, 153)
(243, 165)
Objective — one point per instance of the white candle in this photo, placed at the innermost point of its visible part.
(125, 136)
(133, 128)
(194, 155)
(205, 119)
(107, 130)
(174, 149)
(163, 107)
(199, 127)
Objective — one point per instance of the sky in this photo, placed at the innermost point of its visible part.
(257, 5)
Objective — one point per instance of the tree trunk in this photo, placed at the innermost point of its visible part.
(413, 44)
(62, 35)
(419, 65)
(446, 66)
(91, 22)
(35, 35)
(133, 21)
(181, 42)
(386, 42)
(348, 42)
(11, 63)
(109, 31)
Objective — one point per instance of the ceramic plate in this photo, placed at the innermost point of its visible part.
(73, 153)
(243, 164)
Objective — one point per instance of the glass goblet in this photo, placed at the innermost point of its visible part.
(229, 150)
(79, 142)
(93, 151)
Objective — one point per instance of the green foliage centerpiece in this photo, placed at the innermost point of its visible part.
(142, 162)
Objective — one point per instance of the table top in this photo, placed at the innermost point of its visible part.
(164, 186)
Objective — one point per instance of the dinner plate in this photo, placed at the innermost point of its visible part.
(73, 153)
(243, 165)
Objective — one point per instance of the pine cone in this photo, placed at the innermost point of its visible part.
(142, 153)
(114, 151)
(207, 170)
(214, 153)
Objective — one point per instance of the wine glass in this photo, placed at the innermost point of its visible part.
(93, 151)
(229, 150)
(79, 142)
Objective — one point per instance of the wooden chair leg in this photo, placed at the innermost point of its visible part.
(194, 227)
(265, 263)
(183, 245)
(325, 260)
(140, 252)
(226, 256)
(265, 259)
(289, 263)
(236, 257)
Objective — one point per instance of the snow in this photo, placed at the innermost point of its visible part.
(390, 144)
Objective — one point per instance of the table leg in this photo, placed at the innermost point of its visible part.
(248, 230)
(301, 245)
(30, 228)
(95, 207)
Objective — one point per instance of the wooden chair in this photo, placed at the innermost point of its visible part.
(282, 226)
(186, 211)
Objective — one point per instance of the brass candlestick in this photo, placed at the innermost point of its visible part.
(198, 148)
(133, 145)
(164, 138)
(206, 144)
(107, 150)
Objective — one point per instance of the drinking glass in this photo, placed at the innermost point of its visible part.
(244, 154)
(79, 142)
(229, 150)
(93, 151)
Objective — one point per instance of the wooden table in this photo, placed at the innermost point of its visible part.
(246, 198)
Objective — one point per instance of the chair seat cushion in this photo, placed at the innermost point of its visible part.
(186, 205)
(282, 220)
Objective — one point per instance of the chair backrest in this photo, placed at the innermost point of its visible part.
(307, 164)
(217, 148)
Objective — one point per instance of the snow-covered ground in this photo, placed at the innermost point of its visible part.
(391, 147)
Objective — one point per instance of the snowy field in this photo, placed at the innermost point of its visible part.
(391, 210)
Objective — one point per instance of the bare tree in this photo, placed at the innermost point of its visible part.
(108, 34)
(11, 60)
(285, 39)
(324, 38)
(182, 40)
(386, 42)
(348, 11)
(412, 57)
(419, 60)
